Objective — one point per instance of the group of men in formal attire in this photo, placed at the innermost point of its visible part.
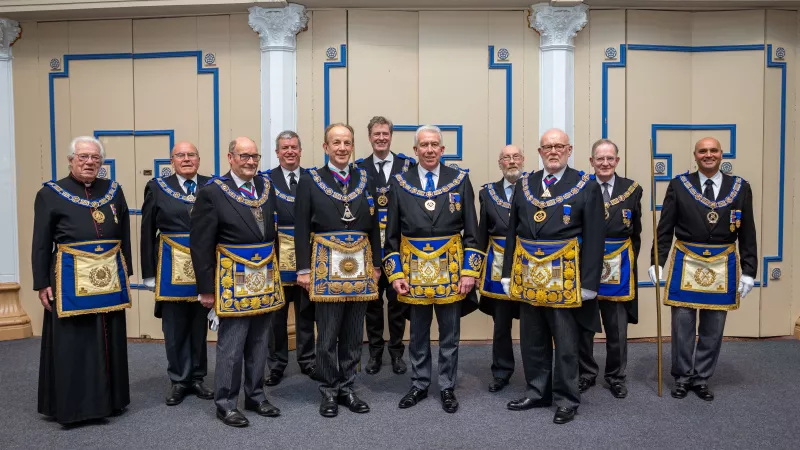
(556, 249)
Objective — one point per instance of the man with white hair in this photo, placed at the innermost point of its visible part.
(81, 258)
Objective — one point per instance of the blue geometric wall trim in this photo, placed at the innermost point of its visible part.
(509, 94)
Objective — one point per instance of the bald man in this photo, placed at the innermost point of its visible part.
(707, 212)
(168, 203)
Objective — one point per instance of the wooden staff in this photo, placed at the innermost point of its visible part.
(658, 274)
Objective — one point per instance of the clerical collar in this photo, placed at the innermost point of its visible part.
(333, 168)
(83, 183)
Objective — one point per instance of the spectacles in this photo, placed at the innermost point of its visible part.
(433, 145)
(609, 159)
(185, 155)
(557, 147)
(508, 158)
(83, 157)
(244, 157)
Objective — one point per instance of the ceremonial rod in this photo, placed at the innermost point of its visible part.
(658, 274)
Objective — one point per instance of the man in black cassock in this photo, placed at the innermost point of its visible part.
(83, 369)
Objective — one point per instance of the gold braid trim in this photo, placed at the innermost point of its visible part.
(497, 248)
(724, 255)
(341, 246)
(175, 245)
(569, 246)
(246, 262)
(336, 299)
(672, 302)
(407, 247)
(619, 199)
(431, 301)
(628, 245)
(65, 248)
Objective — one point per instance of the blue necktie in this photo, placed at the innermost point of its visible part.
(429, 184)
(509, 192)
(189, 186)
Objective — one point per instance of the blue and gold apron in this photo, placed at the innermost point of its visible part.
(341, 264)
(247, 282)
(492, 272)
(547, 273)
(287, 261)
(616, 278)
(175, 279)
(703, 276)
(91, 277)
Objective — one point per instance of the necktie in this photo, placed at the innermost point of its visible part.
(345, 177)
(708, 192)
(429, 187)
(189, 184)
(606, 194)
(509, 192)
(549, 179)
(382, 174)
(247, 190)
(292, 183)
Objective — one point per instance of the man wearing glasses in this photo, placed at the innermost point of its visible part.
(235, 258)
(167, 270)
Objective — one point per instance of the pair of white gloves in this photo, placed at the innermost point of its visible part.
(150, 283)
(585, 293)
(746, 283)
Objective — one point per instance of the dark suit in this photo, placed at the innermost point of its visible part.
(278, 356)
(541, 326)
(183, 322)
(685, 217)
(219, 219)
(494, 222)
(616, 315)
(340, 325)
(408, 217)
(397, 311)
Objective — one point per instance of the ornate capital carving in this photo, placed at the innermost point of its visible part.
(558, 25)
(9, 32)
(277, 27)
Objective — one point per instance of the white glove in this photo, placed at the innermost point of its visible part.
(212, 317)
(652, 272)
(587, 294)
(150, 283)
(745, 285)
(506, 282)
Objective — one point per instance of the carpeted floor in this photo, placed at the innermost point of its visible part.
(756, 384)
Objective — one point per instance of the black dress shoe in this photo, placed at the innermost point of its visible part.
(449, 402)
(232, 418)
(584, 384)
(354, 403)
(307, 370)
(264, 408)
(175, 395)
(497, 384)
(328, 407)
(373, 365)
(564, 415)
(398, 365)
(703, 392)
(199, 389)
(274, 378)
(414, 396)
(618, 389)
(680, 390)
(526, 403)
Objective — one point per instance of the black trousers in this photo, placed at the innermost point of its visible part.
(185, 327)
(502, 345)
(615, 324)
(278, 354)
(397, 321)
(340, 333)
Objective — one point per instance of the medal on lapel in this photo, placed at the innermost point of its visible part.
(114, 211)
(738, 218)
(457, 198)
(539, 216)
(712, 217)
(371, 206)
(566, 217)
(430, 205)
(626, 217)
(383, 200)
(98, 216)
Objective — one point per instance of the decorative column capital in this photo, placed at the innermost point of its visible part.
(277, 28)
(558, 25)
(9, 32)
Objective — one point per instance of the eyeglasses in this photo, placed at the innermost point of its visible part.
(557, 147)
(433, 145)
(609, 159)
(83, 157)
(508, 158)
(185, 155)
(244, 157)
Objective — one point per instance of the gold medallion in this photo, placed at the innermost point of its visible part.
(733, 228)
(430, 205)
(98, 216)
(190, 198)
(738, 223)
(539, 216)
(452, 208)
(383, 200)
(712, 217)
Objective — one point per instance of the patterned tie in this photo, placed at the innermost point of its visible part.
(248, 190)
(429, 184)
(549, 179)
(382, 174)
(292, 183)
(708, 192)
(606, 194)
(189, 184)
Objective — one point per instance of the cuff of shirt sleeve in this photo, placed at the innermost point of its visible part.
(304, 272)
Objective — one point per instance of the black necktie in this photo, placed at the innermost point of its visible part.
(292, 183)
(381, 172)
(708, 192)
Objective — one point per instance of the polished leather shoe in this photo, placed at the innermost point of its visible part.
(414, 396)
(328, 407)
(201, 391)
(526, 403)
(399, 366)
(680, 390)
(308, 370)
(584, 384)
(176, 395)
(498, 384)
(354, 403)
(618, 389)
(449, 402)
(232, 418)
(373, 365)
(274, 378)
(703, 392)
(564, 415)
(264, 408)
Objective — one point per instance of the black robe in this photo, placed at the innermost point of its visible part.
(83, 370)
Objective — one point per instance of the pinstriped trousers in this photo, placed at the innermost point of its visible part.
(241, 339)
(340, 333)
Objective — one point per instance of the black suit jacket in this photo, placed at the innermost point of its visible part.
(398, 163)
(219, 219)
(286, 217)
(586, 213)
(685, 217)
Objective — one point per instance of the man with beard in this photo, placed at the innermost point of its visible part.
(617, 297)
(552, 262)
(495, 200)
(707, 211)
(381, 166)
(81, 258)
(167, 270)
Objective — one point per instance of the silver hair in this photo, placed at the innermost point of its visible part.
(86, 140)
(287, 134)
(428, 128)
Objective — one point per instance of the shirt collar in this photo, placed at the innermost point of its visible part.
(338, 170)
(716, 178)
(239, 182)
(558, 174)
(423, 172)
(296, 172)
(389, 159)
(507, 184)
(182, 181)
(610, 182)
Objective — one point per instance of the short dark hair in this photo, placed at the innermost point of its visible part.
(380, 120)
(604, 142)
(338, 124)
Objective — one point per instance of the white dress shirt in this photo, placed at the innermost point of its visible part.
(182, 181)
(286, 173)
(338, 170)
(716, 179)
(509, 188)
(558, 176)
(387, 168)
(609, 182)
(240, 182)
(423, 175)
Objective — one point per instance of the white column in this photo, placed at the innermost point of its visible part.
(277, 28)
(557, 27)
(14, 323)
